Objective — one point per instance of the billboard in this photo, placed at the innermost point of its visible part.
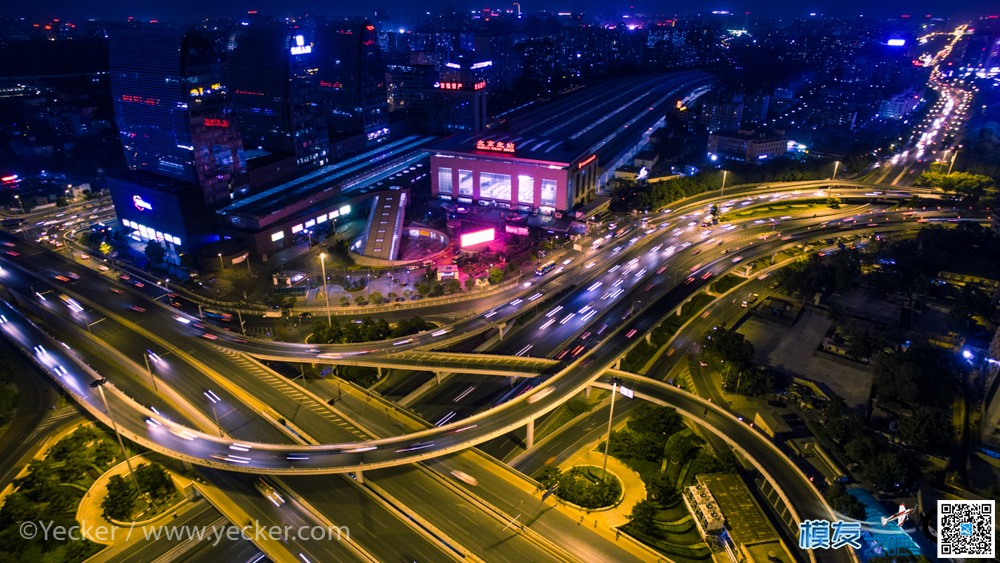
(477, 237)
(516, 230)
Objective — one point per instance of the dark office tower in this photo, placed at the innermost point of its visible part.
(352, 80)
(274, 85)
(171, 109)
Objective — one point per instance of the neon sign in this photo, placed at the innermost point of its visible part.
(586, 161)
(140, 100)
(477, 237)
(448, 85)
(300, 47)
(494, 146)
(483, 64)
(479, 85)
(216, 122)
(141, 204)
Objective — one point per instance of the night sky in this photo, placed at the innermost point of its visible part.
(184, 9)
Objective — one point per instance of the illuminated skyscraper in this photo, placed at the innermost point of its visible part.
(274, 84)
(170, 104)
(352, 80)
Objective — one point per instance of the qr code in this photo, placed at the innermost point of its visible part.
(966, 529)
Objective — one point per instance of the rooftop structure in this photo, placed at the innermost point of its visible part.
(552, 158)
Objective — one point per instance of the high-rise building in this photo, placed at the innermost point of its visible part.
(457, 102)
(352, 80)
(273, 81)
(171, 108)
(721, 113)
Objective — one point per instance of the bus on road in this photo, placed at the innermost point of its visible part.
(545, 268)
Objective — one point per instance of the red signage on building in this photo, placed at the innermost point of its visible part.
(216, 122)
(139, 100)
(494, 146)
(586, 161)
(479, 85)
(448, 85)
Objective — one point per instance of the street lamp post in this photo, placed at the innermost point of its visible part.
(99, 385)
(149, 370)
(221, 263)
(836, 165)
(21, 203)
(611, 416)
(249, 270)
(326, 293)
(722, 191)
(952, 164)
(215, 413)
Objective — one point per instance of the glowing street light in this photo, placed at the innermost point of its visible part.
(326, 293)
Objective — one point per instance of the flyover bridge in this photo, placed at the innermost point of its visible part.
(441, 362)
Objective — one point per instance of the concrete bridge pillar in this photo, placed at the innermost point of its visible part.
(438, 376)
(586, 392)
(530, 440)
(379, 368)
(618, 364)
(503, 328)
(360, 476)
(649, 336)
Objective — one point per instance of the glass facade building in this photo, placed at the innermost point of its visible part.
(273, 82)
(352, 80)
(171, 108)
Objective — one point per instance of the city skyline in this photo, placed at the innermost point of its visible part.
(772, 9)
(443, 288)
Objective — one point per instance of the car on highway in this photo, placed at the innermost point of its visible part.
(269, 492)
(464, 477)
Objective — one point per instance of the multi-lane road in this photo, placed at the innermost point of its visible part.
(615, 311)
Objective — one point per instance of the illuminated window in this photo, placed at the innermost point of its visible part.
(494, 186)
(297, 228)
(321, 219)
(526, 190)
(444, 180)
(464, 182)
(275, 237)
(310, 223)
(345, 210)
(549, 193)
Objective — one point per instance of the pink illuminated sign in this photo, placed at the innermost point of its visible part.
(477, 237)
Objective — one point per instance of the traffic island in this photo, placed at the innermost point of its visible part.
(113, 502)
(584, 487)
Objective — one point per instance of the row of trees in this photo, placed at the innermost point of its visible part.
(9, 393)
(152, 479)
(337, 332)
(50, 491)
(966, 185)
(660, 194)
(881, 463)
(727, 352)
(837, 272)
